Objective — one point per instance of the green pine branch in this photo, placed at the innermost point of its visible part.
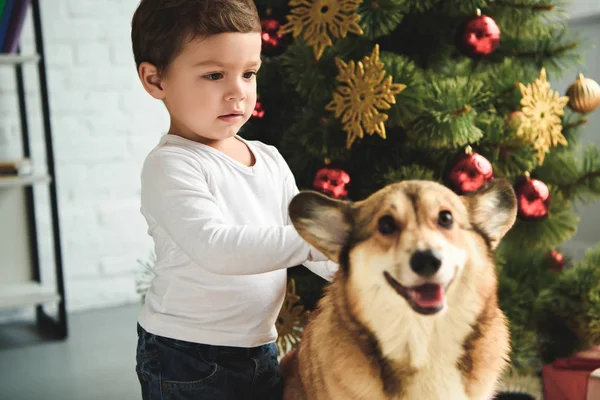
(407, 172)
(533, 5)
(585, 184)
(502, 80)
(527, 19)
(572, 304)
(408, 102)
(314, 80)
(532, 270)
(555, 52)
(462, 8)
(516, 300)
(380, 17)
(510, 155)
(449, 110)
(572, 123)
(423, 5)
(574, 173)
(522, 275)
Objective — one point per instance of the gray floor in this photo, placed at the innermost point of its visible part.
(96, 362)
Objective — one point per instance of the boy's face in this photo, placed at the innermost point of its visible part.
(210, 87)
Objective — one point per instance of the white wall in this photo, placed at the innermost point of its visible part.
(103, 125)
(579, 9)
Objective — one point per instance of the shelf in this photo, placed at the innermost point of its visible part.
(25, 180)
(26, 294)
(20, 237)
(14, 59)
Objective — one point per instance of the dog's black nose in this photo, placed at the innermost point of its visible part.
(425, 262)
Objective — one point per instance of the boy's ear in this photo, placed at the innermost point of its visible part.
(151, 80)
(492, 209)
(323, 222)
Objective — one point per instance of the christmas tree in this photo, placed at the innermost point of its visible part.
(359, 94)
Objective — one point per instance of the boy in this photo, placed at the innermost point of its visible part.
(216, 208)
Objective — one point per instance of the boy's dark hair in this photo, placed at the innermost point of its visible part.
(160, 28)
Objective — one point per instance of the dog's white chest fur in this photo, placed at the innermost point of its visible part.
(438, 382)
(432, 346)
(436, 361)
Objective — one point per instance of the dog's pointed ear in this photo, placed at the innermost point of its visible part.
(492, 209)
(321, 221)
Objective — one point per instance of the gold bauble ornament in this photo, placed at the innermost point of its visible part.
(514, 120)
(584, 95)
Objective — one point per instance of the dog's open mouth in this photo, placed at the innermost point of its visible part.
(426, 299)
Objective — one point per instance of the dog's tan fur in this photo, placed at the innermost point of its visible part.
(365, 341)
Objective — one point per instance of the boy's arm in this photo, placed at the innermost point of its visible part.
(325, 269)
(318, 264)
(176, 195)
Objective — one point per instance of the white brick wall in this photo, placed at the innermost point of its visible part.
(103, 125)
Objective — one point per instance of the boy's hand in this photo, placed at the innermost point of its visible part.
(316, 255)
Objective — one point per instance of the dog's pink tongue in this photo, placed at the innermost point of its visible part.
(428, 295)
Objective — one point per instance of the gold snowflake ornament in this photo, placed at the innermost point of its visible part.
(366, 90)
(542, 108)
(320, 18)
(290, 322)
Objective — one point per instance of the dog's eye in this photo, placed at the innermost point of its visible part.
(387, 225)
(445, 219)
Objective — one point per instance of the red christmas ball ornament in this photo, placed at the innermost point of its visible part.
(478, 36)
(470, 172)
(271, 39)
(557, 261)
(533, 199)
(332, 182)
(258, 111)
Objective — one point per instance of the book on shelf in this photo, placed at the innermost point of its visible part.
(5, 17)
(11, 168)
(12, 18)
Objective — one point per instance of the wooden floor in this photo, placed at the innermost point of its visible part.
(96, 362)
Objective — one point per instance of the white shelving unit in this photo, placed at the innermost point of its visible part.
(21, 284)
(18, 295)
(21, 181)
(16, 59)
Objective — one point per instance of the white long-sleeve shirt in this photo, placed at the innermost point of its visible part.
(223, 241)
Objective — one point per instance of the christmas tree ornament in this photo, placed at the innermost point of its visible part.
(290, 321)
(470, 172)
(533, 199)
(365, 91)
(319, 19)
(332, 182)
(272, 40)
(557, 261)
(542, 110)
(514, 120)
(258, 111)
(584, 95)
(478, 36)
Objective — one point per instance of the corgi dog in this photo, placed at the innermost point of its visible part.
(412, 312)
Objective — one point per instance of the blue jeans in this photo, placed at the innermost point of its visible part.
(170, 369)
